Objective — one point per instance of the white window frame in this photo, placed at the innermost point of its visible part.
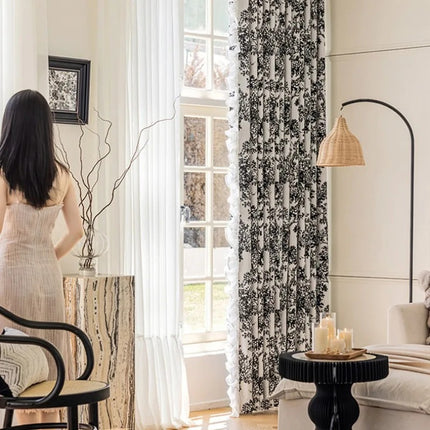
(206, 95)
(210, 103)
(210, 113)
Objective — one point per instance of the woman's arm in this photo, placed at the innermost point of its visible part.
(73, 222)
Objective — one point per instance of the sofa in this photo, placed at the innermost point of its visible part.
(400, 401)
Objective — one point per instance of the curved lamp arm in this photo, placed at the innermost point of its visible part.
(411, 220)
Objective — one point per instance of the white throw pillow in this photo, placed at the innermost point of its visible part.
(20, 365)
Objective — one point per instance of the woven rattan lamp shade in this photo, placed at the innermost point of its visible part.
(340, 147)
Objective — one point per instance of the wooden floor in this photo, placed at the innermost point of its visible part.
(219, 419)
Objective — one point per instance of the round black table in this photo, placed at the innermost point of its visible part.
(333, 407)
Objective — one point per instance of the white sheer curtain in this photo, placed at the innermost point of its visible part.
(115, 25)
(23, 47)
(152, 219)
(139, 58)
(23, 51)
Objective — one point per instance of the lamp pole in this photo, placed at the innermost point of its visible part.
(411, 220)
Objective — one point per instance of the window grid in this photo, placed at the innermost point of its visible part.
(209, 224)
(210, 37)
(208, 103)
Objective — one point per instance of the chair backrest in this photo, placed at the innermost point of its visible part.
(49, 325)
(18, 402)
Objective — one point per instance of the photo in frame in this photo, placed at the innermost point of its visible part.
(69, 86)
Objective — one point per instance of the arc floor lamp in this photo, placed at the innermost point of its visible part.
(342, 148)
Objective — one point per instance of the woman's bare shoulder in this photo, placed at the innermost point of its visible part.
(63, 172)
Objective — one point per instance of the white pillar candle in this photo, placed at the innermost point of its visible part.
(346, 335)
(320, 339)
(337, 345)
(330, 324)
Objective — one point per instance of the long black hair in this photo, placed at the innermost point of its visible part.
(27, 155)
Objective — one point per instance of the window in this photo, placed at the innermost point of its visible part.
(205, 48)
(205, 165)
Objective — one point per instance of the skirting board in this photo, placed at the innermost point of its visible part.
(203, 406)
(293, 415)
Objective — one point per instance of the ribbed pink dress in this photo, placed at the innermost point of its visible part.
(30, 276)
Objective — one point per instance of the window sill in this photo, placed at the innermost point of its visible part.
(195, 349)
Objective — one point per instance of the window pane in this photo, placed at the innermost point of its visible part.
(220, 65)
(219, 252)
(220, 11)
(195, 15)
(194, 195)
(220, 240)
(194, 303)
(221, 193)
(194, 141)
(194, 237)
(220, 147)
(195, 61)
(194, 252)
(220, 302)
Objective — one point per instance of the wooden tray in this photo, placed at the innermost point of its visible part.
(356, 352)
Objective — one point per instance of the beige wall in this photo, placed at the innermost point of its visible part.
(369, 206)
(71, 33)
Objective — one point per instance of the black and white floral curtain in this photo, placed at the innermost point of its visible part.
(278, 266)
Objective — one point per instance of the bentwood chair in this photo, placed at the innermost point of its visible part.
(59, 393)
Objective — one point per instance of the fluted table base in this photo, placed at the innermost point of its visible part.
(333, 407)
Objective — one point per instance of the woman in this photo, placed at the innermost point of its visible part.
(34, 188)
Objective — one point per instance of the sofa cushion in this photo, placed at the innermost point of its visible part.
(401, 390)
(424, 282)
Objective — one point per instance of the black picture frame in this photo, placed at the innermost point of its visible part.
(69, 89)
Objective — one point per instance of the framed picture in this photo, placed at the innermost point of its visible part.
(69, 86)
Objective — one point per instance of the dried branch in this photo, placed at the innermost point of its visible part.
(137, 150)
(98, 163)
(87, 183)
